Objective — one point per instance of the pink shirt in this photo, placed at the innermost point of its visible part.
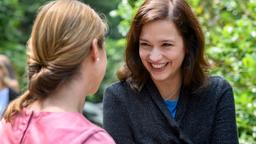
(31, 127)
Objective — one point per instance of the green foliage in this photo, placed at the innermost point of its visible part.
(125, 11)
(10, 19)
(16, 18)
(229, 28)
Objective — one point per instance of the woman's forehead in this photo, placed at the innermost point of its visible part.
(162, 30)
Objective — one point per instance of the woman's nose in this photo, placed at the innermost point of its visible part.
(155, 55)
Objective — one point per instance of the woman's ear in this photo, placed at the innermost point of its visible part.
(95, 50)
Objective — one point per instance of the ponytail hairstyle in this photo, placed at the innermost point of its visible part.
(60, 40)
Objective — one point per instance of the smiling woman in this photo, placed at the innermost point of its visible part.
(162, 51)
(165, 94)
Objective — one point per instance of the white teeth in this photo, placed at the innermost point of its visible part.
(158, 65)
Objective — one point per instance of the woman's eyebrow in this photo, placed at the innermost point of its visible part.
(167, 40)
(142, 39)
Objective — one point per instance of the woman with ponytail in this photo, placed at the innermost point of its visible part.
(66, 62)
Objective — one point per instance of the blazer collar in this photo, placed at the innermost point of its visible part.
(159, 101)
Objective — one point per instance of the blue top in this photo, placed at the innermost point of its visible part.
(171, 105)
(4, 100)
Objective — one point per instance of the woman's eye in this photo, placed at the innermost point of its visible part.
(144, 44)
(167, 45)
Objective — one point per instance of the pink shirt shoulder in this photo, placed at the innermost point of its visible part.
(31, 127)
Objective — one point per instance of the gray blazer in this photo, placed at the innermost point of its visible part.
(142, 118)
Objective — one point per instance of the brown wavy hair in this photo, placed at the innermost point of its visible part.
(60, 40)
(194, 67)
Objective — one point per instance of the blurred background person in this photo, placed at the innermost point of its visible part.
(11, 79)
(8, 85)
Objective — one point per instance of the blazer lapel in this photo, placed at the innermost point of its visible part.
(182, 105)
(181, 108)
(158, 100)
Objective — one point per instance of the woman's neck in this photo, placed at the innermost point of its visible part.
(69, 98)
(169, 89)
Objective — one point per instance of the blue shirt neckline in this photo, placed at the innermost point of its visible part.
(171, 106)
